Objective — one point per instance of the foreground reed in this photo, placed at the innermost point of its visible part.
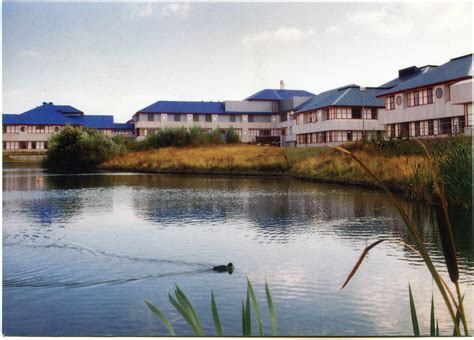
(454, 305)
(185, 308)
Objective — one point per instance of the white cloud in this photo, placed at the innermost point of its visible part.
(386, 20)
(180, 9)
(282, 34)
(400, 19)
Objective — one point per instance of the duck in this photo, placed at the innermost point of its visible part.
(229, 268)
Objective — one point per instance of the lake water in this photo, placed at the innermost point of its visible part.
(82, 253)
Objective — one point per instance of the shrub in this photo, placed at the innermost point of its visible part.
(125, 144)
(216, 137)
(78, 150)
(199, 137)
(231, 136)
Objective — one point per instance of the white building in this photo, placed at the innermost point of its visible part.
(429, 101)
(256, 119)
(338, 116)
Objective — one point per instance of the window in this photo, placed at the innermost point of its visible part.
(417, 129)
(251, 118)
(421, 97)
(232, 118)
(23, 129)
(356, 113)
(462, 123)
(23, 145)
(45, 145)
(195, 117)
(431, 127)
(404, 129)
(390, 103)
(177, 117)
(56, 129)
(4, 129)
(151, 117)
(374, 113)
(33, 145)
(4, 145)
(349, 135)
(399, 100)
(208, 118)
(439, 92)
(265, 133)
(429, 93)
(283, 117)
(417, 98)
(445, 126)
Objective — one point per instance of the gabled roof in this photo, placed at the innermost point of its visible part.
(271, 94)
(349, 95)
(457, 68)
(184, 107)
(49, 114)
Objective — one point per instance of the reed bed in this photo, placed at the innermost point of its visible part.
(217, 158)
(401, 166)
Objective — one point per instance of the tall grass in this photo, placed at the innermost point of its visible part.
(183, 305)
(453, 304)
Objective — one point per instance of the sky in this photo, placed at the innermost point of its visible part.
(117, 58)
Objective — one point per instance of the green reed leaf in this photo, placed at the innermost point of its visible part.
(271, 310)
(255, 306)
(215, 315)
(414, 319)
(162, 317)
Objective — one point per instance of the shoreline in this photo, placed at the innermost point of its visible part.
(283, 175)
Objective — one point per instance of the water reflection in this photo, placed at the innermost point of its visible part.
(101, 243)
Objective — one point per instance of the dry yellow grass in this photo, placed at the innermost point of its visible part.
(405, 173)
(216, 158)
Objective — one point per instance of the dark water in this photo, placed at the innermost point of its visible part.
(81, 253)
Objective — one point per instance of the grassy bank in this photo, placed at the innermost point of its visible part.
(402, 166)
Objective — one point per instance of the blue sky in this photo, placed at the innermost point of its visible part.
(116, 58)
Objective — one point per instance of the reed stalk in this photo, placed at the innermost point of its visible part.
(416, 238)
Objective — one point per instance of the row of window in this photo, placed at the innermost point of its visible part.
(25, 145)
(337, 113)
(432, 127)
(328, 137)
(181, 117)
(40, 129)
(48, 129)
(416, 98)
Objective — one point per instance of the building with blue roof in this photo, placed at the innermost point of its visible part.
(339, 115)
(30, 130)
(256, 119)
(429, 101)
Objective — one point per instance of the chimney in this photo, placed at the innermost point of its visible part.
(44, 103)
(50, 103)
(282, 85)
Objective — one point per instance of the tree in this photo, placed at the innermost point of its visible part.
(78, 149)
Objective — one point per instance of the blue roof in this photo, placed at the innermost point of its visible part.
(399, 80)
(349, 95)
(184, 107)
(124, 126)
(270, 94)
(49, 114)
(456, 68)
